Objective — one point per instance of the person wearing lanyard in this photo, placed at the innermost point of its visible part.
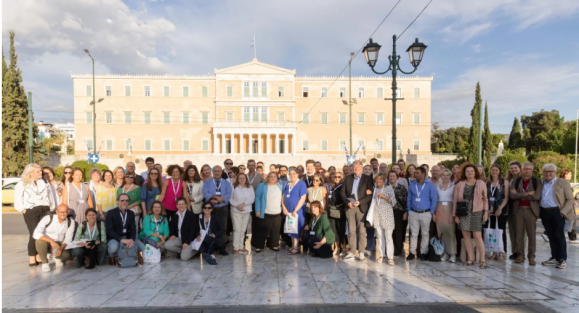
(514, 173)
(121, 230)
(498, 195)
(241, 201)
(254, 180)
(556, 210)
(337, 216)
(228, 163)
(444, 222)
(384, 219)
(318, 235)
(134, 191)
(194, 183)
(308, 177)
(421, 205)
(268, 211)
(77, 196)
(218, 192)
(172, 189)
(54, 234)
(156, 226)
(400, 213)
(93, 236)
(294, 202)
(181, 232)
(95, 180)
(317, 192)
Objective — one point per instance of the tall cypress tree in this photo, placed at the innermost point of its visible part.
(487, 141)
(515, 138)
(475, 127)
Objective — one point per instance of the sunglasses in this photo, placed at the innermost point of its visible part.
(45, 173)
(124, 200)
(67, 172)
(228, 163)
(207, 208)
(131, 177)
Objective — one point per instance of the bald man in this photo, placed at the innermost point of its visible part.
(139, 180)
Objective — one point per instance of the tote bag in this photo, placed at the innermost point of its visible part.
(370, 215)
(151, 255)
(291, 225)
(494, 237)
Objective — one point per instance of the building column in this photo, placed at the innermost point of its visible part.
(259, 143)
(294, 149)
(286, 143)
(276, 143)
(232, 143)
(268, 142)
(215, 146)
(223, 143)
(242, 145)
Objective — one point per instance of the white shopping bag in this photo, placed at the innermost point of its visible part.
(196, 245)
(494, 237)
(370, 215)
(291, 225)
(151, 254)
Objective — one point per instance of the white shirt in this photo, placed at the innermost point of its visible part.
(273, 202)
(445, 195)
(180, 222)
(33, 195)
(242, 195)
(55, 231)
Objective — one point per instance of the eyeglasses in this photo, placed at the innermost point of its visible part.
(124, 200)
(45, 173)
(549, 171)
(338, 177)
(131, 177)
(316, 180)
(67, 172)
(207, 208)
(229, 163)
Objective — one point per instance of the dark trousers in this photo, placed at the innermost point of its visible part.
(31, 218)
(223, 213)
(338, 226)
(96, 255)
(502, 225)
(370, 239)
(170, 214)
(324, 252)
(266, 229)
(399, 233)
(211, 244)
(554, 225)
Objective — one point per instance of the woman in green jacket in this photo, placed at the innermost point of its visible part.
(318, 235)
(155, 226)
(94, 241)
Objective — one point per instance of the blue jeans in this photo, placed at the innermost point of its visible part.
(554, 225)
(114, 246)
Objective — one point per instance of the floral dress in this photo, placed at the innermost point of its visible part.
(383, 211)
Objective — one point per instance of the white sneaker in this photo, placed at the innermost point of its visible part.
(46, 267)
(50, 258)
(58, 263)
(444, 257)
(349, 256)
(452, 259)
(362, 257)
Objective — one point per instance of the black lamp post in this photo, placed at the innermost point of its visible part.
(415, 52)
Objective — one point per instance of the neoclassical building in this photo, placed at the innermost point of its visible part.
(249, 109)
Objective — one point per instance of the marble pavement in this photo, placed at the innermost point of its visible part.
(271, 278)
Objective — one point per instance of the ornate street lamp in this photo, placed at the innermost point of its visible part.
(415, 52)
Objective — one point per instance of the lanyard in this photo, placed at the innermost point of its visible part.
(124, 218)
(80, 191)
(314, 222)
(418, 193)
(129, 188)
(308, 180)
(207, 223)
(217, 188)
(158, 223)
(289, 187)
(251, 181)
(525, 189)
(318, 191)
(175, 190)
(493, 189)
(91, 235)
(545, 186)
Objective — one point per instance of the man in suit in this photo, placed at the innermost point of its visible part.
(526, 192)
(211, 224)
(354, 194)
(556, 207)
(308, 177)
(121, 229)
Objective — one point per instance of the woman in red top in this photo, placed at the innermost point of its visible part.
(173, 189)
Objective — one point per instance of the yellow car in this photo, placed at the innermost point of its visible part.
(8, 193)
(575, 191)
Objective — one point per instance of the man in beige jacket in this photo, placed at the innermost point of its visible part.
(556, 207)
(526, 192)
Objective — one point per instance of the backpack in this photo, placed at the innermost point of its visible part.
(127, 257)
(435, 249)
(51, 215)
(534, 181)
(98, 225)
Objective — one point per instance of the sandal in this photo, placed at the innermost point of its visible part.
(469, 263)
(276, 249)
(391, 262)
(501, 257)
(379, 260)
(492, 257)
(292, 251)
(483, 265)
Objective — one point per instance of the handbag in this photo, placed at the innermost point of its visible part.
(151, 255)
(137, 210)
(461, 209)
(291, 225)
(370, 215)
(494, 237)
(127, 257)
(334, 212)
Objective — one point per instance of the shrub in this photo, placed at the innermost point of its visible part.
(561, 161)
(507, 157)
(538, 154)
(450, 163)
(85, 167)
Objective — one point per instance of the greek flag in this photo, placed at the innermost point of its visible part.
(253, 41)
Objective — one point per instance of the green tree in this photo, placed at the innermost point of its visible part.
(507, 157)
(568, 145)
(487, 141)
(451, 140)
(543, 131)
(515, 139)
(472, 155)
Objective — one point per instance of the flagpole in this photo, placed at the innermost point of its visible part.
(254, 47)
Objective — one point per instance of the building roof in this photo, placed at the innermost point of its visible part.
(255, 67)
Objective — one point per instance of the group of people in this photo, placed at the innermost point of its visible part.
(344, 213)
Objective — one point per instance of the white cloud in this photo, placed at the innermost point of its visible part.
(477, 48)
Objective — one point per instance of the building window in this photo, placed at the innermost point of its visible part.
(255, 91)
(416, 118)
(167, 145)
(255, 114)
(380, 93)
(305, 91)
(204, 91)
(229, 117)
(128, 117)
(109, 145)
(264, 89)
(324, 145)
(229, 90)
(128, 144)
(379, 145)
(398, 93)
(166, 117)
(342, 118)
(246, 115)
(147, 91)
(89, 144)
(398, 118)
(280, 116)
(109, 117)
(324, 118)
(305, 118)
(416, 145)
(246, 89)
(342, 92)
(185, 117)
(361, 92)
(398, 144)
(342, 144)
(204, 117)
(88, 91)
(185, 144)
(362, 144)
(324, 92)
(280, 91)
(205, 145)
(127, 91)
(361, 118)
(108, 91)
(88, 116)
(264, 114)
(165, 91)
(416, 92)
(147, 117)
(185, 91)
(380, 118)
(148, 145)
(305, 145)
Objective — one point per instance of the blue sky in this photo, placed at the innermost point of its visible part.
(524, 53)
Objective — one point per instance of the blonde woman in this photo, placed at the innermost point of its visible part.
(206, 172)
(119, 175)
(77, 196)
(33, 197)
(444, 220)
(106, 195)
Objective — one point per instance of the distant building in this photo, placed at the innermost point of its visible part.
(67, 128)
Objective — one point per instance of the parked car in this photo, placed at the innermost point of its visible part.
(8, 186)
(575, 191)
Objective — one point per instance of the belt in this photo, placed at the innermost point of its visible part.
(549, 209)
(423, 211)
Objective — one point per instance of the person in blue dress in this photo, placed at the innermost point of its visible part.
(294, 203)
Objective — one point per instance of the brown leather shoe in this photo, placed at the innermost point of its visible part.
(520, 259)
(140, 258)
(532, 261)
(112, 261)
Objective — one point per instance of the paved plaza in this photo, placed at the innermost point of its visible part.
(271, 278)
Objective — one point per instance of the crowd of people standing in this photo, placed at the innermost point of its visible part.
(344, 213)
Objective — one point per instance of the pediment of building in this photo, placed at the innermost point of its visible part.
(254, 67)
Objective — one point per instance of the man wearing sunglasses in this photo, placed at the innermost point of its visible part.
(122, 230)
(131, 171)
